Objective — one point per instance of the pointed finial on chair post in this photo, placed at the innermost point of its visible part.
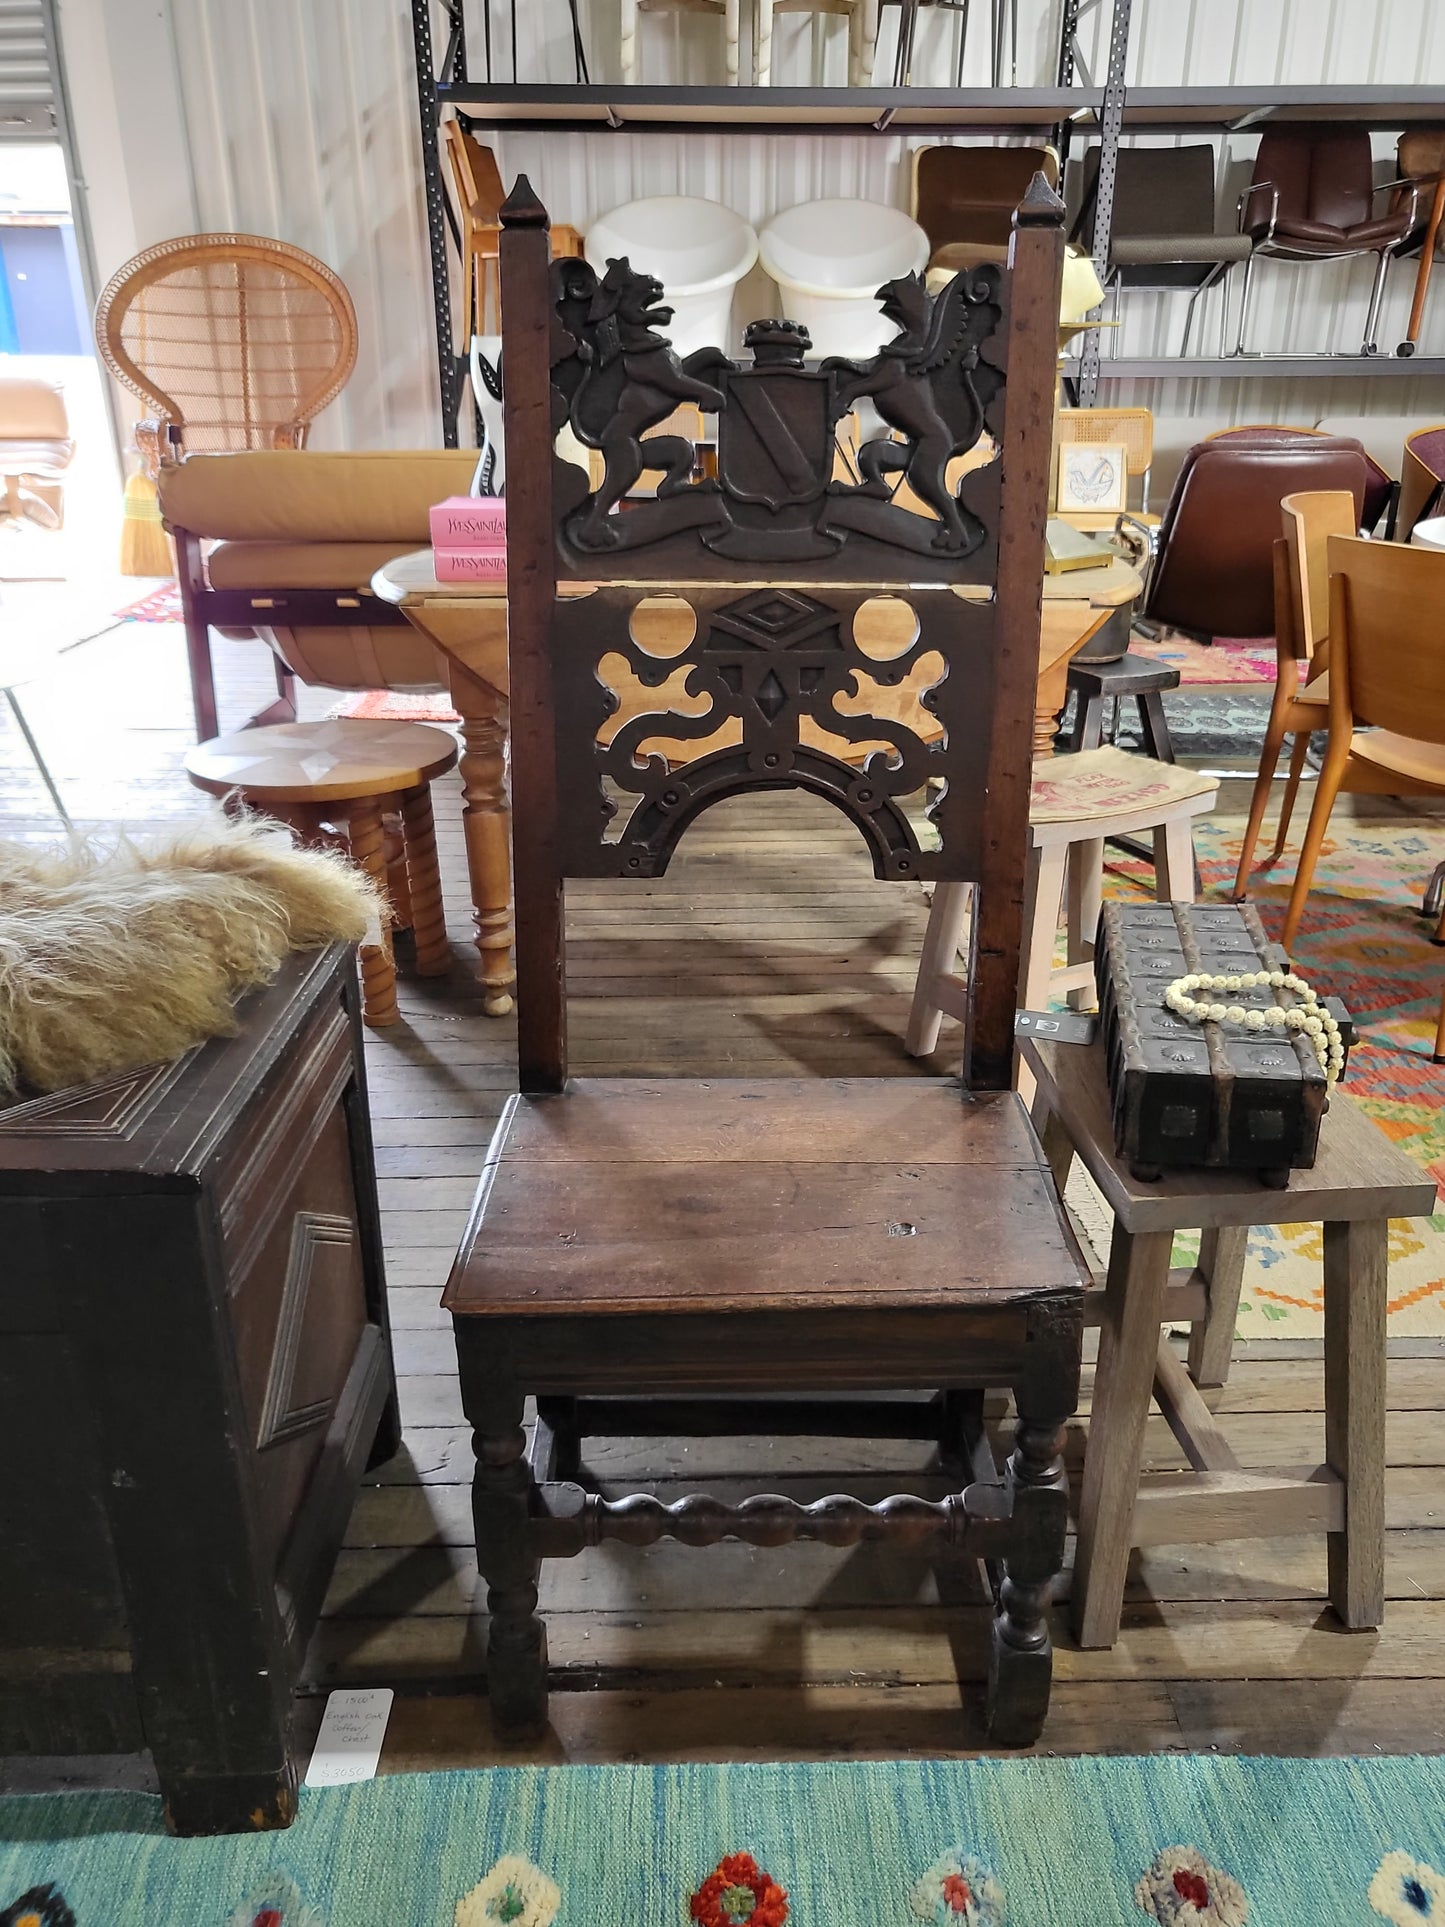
(522, 207)
(1040, 206)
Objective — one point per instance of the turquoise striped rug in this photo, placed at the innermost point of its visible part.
(1182, 1840)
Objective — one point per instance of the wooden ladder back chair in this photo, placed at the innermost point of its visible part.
(233, 340)
(636, 1242)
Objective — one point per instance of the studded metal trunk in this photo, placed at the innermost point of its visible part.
(1201, 1096)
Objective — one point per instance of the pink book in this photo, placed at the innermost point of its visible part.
(471, 565)
(469, 522)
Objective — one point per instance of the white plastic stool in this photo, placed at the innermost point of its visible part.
(1077, 803)
(699, 250)
(829, 259)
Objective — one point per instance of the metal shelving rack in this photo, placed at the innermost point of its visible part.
(1108, 108)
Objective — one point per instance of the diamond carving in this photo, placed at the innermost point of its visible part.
(319, 1242)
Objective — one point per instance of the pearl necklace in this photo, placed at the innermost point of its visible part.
(1309, 1017)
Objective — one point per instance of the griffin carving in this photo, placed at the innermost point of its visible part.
(624, 380)
(925, 384)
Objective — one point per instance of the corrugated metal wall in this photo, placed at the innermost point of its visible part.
(301, 122)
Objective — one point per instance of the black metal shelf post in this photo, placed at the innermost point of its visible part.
(438, 208)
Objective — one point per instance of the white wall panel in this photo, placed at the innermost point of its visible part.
(300, 121)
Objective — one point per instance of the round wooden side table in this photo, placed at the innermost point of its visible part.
(363, 786)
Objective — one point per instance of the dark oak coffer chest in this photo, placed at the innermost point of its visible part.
(195, 1369)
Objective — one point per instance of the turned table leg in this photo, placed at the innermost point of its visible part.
(486, 826)
(378, 970)
(424, 885)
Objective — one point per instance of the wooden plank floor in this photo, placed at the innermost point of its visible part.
(769, 948)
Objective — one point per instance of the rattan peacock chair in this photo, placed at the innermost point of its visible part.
(231, 340)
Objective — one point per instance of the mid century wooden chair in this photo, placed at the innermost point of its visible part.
(638, 1242)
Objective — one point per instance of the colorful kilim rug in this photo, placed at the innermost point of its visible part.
(1180, 1841)
(392, 706)
(1225, 660)
(161, 605)
(1362, 939)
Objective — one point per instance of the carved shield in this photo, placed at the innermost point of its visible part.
(775, 441)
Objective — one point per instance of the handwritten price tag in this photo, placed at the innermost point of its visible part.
(349, 1743)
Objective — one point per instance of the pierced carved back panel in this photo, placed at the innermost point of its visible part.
(879, 704)
(852, 614)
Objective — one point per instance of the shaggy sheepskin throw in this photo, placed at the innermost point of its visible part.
(122, 954)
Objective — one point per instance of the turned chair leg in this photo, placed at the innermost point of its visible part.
(502, 1497)
(1021, 1658)
(424, 885)
(378, 968)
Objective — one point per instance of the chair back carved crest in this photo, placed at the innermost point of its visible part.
(864, 628)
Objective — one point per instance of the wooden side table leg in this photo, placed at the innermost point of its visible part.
(1085, 894)
(487, 827)
(378, 970)
(424, 885)
(1355, 1302)
(1123, 1382)
(1211, 1338)
(1057, 1145)
(398, 889)
(939, 958)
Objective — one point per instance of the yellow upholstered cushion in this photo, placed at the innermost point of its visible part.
(299, 565)
(300, 495)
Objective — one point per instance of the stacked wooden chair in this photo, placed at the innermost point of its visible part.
(656, 1258)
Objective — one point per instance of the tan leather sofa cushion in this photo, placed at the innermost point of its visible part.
(304, 495)
(301, 565)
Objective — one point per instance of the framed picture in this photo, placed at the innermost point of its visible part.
(1093, 477)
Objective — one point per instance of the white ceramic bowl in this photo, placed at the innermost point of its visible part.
(699, 251)
(829, 258)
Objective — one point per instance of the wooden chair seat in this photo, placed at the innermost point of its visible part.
(1401, 755)
(737, 1195)
(362, 787)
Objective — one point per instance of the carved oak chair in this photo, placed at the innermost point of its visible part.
(638, 1242)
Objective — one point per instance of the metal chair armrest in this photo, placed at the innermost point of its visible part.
(1259, 187)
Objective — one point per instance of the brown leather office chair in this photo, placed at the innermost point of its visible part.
(1213, 570)
(1379, 483)
(964, 199)
(1313, 198)
(1163, 233)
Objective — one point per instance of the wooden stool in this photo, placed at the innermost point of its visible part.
(1097, 683)
(367, 787)
(1077, 802)
(1359, 1182)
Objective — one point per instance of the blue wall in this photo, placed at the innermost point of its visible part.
(37, 291)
